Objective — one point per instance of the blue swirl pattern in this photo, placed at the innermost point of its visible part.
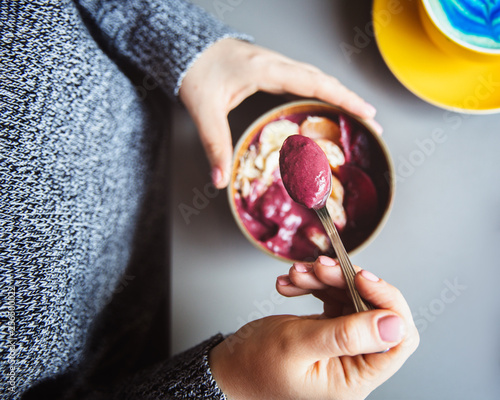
(474, 17)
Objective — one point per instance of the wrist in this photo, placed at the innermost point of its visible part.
(218, 360)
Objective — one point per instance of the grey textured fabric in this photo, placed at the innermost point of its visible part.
(79, 151)
(186, 376)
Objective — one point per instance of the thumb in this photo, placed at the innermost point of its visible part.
(350, 335)
(215, 136)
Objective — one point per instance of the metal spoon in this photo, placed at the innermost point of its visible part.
(345, 263)
(307, 177)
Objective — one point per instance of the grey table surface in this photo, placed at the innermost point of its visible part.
(439, 247)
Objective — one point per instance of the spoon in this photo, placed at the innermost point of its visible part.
(307, 177)
(344, 260)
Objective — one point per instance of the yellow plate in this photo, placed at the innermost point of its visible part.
(431, 66)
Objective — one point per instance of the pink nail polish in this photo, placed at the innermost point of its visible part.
(370, 110)
(284, 280)
(301, 267)
(390, 328)
(368, 275)
(329, 262)
(216, 176)
(378, 128)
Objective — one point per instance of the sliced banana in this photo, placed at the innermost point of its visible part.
(316, 127)
(319, 239)
(274, 134)
(244, 186)
(271, 165)
(247, 168)
(337, 190)
(334, 204)
(333, 152)
(337, 212)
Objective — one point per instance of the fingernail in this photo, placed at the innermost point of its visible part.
(329, 262)
(217, 176)
(284, 280)
(301, 267)
(370, 110)
(368, 275)
(390, 328)
(376, 126)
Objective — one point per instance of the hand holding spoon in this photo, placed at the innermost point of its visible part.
(307, 177)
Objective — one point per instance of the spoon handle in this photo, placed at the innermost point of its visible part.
(345, 263)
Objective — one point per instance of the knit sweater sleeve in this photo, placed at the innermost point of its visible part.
(161, 38)
(185, 376)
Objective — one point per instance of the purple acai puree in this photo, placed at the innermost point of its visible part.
(305, 171)
(279, 223)
(293, 231)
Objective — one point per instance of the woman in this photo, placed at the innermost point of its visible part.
(82, 196)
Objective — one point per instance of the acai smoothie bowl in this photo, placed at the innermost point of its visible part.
(363, 182)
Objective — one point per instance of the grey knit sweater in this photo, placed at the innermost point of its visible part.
(82, 196)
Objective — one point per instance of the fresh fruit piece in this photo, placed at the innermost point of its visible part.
(360, 151)
(337, 193)
(274, 134)
(345, 136)
(320, 128)
(303, 248)
(242, 184)
(355, 144)
(333, 152)
(247, 172)
(337, 212)
(247, 167)
(271, 164)
(360, 197)
(334, 204)
(318, 237)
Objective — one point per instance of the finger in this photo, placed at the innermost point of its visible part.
(381, 294)
(323, 278)
(286, 288)
(355, 334)
(303, 80)
(328, 271)
(302, 276)
(375, 126)
(215, 136)
(385, 296)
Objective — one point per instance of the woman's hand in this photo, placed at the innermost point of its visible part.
(230, 71)
(334, 355)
